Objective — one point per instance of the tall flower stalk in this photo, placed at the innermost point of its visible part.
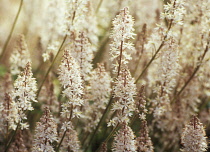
(124, 93)
(124, 140)
(24, 94)
(20, 56)
(70, 78)
(121, 48)
(45, 133)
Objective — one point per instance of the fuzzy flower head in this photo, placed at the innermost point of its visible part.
(20, 56)
(18, 144)
(75, 15)
(123, 26)
(121, 48)
(70, 78)
(144, 143)
(194, 137)
(6, 85)
(141, 104)
(45, 133)
(25, 88)
(124, 141)
(5, 109)
(70, 141)
(124, 92)
(174, 11)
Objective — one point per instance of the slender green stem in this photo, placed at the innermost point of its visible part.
(11, 139)
(109, 136)
(53, 62)
(64, 134)
(85, 138)
(11, 31)
(100, 122)
(133, 119)
(99, 5)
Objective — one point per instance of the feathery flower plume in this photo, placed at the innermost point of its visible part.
(141, 104)
(174, 14)
(121, 48)
(25, 88)
(5, 109)
(20, 57)
(70, 141)
(100, 86)
(124, 141)
(70, 78)
(124, 92)
(19, 144)
(6, 85)
(143, 142)
(174, 11)
(75, 15)
(45, 133)
(194, 137)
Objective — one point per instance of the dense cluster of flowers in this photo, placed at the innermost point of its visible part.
(124, 140)
(124, 92)
(194, 137)
(20, 56)
(81, 76)
(25, 88)
(121, 48)
(45, 133)
(70, 78)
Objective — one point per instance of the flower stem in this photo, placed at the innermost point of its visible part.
(121, 50)
(11, 31)
(11, 139)
(64, 134)
(110, 135)
(99, 5)
(100, 122)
